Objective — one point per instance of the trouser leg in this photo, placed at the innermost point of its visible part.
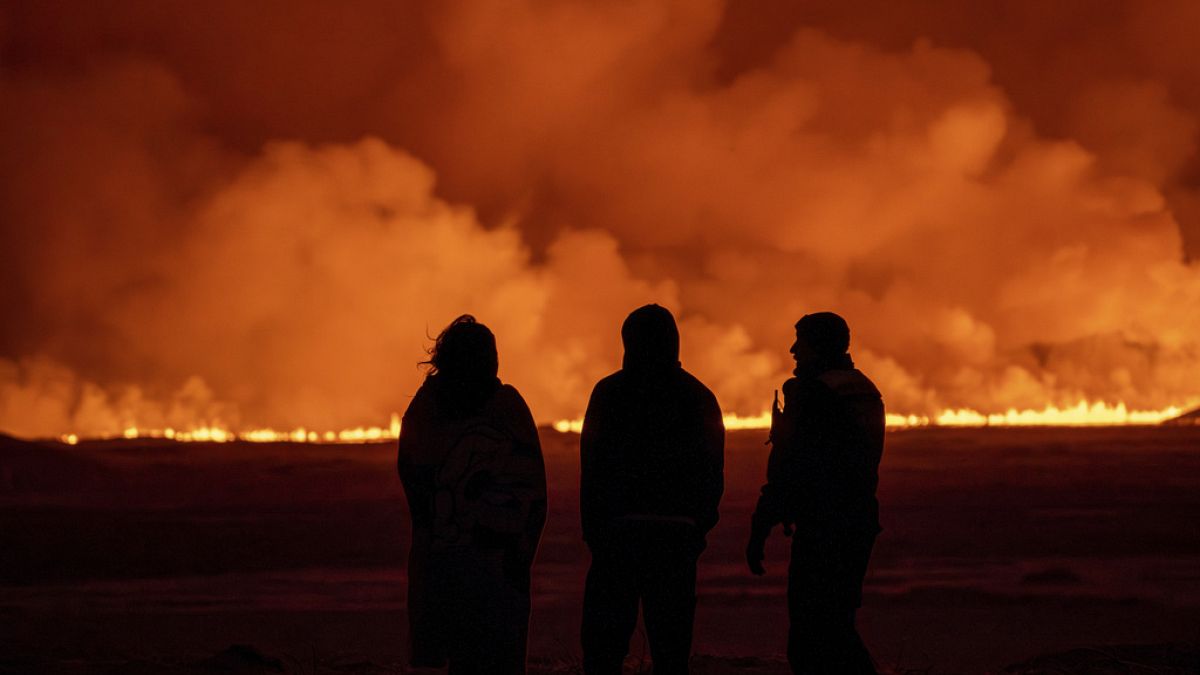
(855, 657)
(426, 624)
(486, 614)
(610, 605)
(513, 636)
(519, 582)
(803, 643)
(669, 607)
(824, 588)
(458, 667)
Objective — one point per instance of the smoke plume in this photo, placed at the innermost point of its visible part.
(258, 214)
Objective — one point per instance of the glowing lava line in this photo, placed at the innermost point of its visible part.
(1082, 414)
(217, 433)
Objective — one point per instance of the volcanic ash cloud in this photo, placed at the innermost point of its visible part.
(275, 244)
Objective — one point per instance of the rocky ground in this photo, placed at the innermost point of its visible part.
(1000, 545)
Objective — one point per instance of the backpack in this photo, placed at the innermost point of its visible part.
(482, 492)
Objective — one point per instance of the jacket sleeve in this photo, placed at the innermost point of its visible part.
(417, 478)
(713, 443)
(778, 499)
(590, 503)
(532, 481)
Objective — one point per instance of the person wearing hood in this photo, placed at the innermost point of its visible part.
(652, 475)
(475, 481)
(822, 473)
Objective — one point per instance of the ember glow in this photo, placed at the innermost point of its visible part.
(1083, 414)
(219, 433)
(197, 224)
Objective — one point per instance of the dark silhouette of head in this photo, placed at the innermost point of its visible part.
(465, 350)
(651, 338)
(822, 337)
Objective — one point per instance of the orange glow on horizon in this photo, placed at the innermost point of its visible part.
(265, 253)
(218, 433)
(1082, 414)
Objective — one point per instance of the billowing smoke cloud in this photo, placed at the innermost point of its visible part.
(258, 215)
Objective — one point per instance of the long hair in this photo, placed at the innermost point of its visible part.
(463, 363)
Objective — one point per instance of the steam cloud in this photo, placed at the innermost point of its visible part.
(257, 214)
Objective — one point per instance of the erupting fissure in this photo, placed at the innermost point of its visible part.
(217, 433)
(1002, 204)
(1082, 414)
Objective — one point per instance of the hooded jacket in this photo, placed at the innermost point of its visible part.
(652, 444)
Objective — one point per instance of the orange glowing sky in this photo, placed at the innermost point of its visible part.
(256, 213)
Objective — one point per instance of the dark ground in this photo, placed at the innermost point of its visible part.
(1000, 545)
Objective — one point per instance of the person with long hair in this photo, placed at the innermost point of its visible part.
(475, 481)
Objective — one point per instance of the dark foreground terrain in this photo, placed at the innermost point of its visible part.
(1001, 545)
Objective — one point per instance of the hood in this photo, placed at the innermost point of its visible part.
(651, 339)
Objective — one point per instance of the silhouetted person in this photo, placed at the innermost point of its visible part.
(652, 458)
(821, 480)
(472, 469)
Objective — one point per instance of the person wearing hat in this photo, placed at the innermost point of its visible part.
(822, 473)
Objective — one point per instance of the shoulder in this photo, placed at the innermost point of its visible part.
(849, 382)
(509, 394)
(508, 399)
(807, 393)
(697, 388)
(509, 410)
(806, 387)
(423, 403)
(610, 383)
